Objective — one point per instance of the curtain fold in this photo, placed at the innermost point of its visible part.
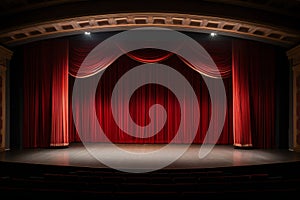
(46, 94)
(148, 55)
(80, 47)
(50, 68)
(219, 72)
(147, 95)
(253, 79)
(218, 50)
(140, 102)
(60, 99)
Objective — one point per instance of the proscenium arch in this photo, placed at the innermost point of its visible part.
(125, 21)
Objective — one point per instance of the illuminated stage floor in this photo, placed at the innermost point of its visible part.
(220, 156)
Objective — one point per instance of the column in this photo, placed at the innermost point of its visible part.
(5, 56)
(294, 60)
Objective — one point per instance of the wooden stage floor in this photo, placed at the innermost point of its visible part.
(220, 156)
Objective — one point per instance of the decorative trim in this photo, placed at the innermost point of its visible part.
(124, 21)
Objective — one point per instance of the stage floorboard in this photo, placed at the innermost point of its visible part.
(220, 156)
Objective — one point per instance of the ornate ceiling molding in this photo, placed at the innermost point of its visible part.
(125, 21)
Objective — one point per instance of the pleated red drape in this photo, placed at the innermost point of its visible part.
(140, 102)
(145, 97)
(220, 51)
(46, 94)
(50, 68)
(253, 77)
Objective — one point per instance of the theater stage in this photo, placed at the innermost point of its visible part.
(220, 156)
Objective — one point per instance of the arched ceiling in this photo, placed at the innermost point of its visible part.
(271, 21)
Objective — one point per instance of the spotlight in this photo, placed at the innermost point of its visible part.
(213, 34)
(87, 33)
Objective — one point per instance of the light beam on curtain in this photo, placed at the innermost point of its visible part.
(80, 47)
(46, 94)
(219, 50)
(253, 78)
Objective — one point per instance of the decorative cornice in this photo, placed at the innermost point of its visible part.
(5, 56)
(294, 57)
(125, 21)
(4, 52)
(294, 51)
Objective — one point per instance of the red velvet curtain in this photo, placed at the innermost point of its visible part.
(48, 116)
(46, 94)
(220, 51)
(144, 98)
(140, 103)
(80, 48)
(253, 76)
(148, 55)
